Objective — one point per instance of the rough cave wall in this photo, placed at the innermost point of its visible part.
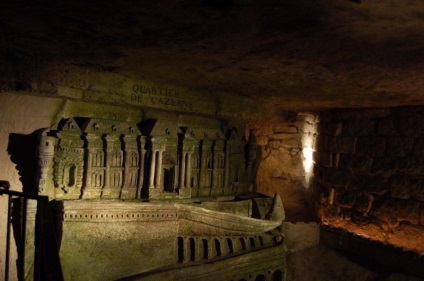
(282, 165)
(369, 173)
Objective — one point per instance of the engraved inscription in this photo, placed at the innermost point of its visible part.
(159, 96)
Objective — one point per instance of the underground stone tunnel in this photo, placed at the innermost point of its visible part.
(213, 140)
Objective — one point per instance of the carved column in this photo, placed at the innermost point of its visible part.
(188, 170)
(185, 189)
(152, 169)
(158, 176)
(88, 168)
(183, 170)
(227, 188)
(142, 153)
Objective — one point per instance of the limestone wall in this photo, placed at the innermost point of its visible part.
(369, 173)
(282, 167)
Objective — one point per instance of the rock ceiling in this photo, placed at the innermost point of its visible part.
(288, 54)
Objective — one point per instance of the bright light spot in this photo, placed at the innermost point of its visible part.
(309, 135)
(308, 159)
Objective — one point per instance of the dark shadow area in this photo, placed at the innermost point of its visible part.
(22, 150)
(374, 255)
(17, 226)
(45, 235)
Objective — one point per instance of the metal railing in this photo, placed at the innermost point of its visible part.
(43, 254)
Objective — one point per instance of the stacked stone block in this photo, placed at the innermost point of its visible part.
(369, 166)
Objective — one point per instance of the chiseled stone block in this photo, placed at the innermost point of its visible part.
(341, 144)
(346, 114)
(345, 198)
(417, 191)
(398, 210)
(337, 177)
(323, 158)
(364, 202)
(413, 165)
(359, 128)
(356, 162)
(422, 214)
(412, 126)
(334, 129)
(375, 184)
(398, 146)
(384, 164)
(372, 146)
(387, 127)
(400, 186)
(418, 147)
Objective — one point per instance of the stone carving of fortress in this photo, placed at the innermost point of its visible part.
(159, 200)
(95, 158)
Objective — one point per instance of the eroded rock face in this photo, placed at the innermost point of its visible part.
(282, 167)
(374, 189)
(290, 54)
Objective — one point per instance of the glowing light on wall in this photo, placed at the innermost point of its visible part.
(309, 133)
(308, 159)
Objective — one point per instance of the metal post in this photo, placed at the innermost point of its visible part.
(21, 264)
(9, 212)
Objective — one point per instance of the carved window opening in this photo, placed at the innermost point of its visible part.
(217, 247)
(97, 179)
(168, 180)
(205, 248)
(230, 245)
(180, 242)
(95, 127)
(252, 242)
(117, 158)
(167, 132)
(261, 240)
(70, 175)
(133, 179)
(113, 128)
(117, 179)
(98, 158)
(277, 275)
(131, 129)
(260, 277)
(192, 249)
(242, 243)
